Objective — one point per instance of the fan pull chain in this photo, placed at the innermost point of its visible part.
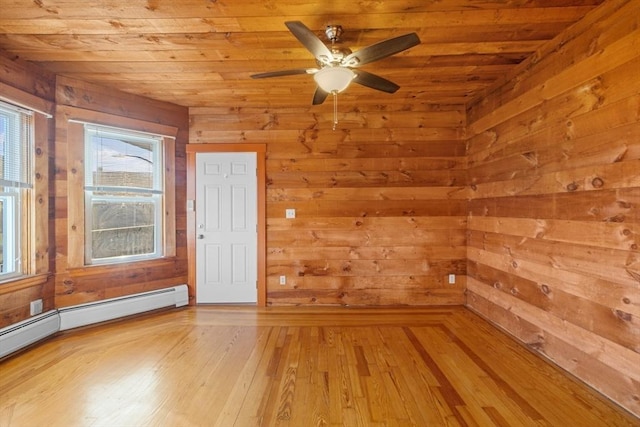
(335, 109)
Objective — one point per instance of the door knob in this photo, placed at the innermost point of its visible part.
(200, 236)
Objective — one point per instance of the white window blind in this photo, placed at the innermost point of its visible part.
(15, 146)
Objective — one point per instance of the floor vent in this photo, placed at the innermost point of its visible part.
(19, 335)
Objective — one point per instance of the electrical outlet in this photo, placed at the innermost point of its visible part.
(283, 280)
(36, 307)
(452, 279)
(290, 213)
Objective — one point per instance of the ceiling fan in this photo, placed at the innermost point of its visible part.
(339, 66)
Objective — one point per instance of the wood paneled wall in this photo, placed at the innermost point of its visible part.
(33, 87)
(59, 285)
(554, 167)
(85, 284)
(381, 202)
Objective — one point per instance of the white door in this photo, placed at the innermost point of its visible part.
(226, 228)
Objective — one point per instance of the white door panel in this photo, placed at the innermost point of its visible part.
(226, 227)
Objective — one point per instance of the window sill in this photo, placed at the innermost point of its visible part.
(147, 263)
(23, 282)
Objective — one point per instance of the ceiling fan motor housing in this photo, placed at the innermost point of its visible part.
(333, 32)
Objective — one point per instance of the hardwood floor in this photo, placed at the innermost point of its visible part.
(222, 366)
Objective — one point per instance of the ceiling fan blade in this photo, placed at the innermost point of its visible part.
(310, 41)
(381, 50)
(319, 96)
(374, 82)
(282, 73)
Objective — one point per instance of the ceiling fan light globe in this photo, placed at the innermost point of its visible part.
(334, 79)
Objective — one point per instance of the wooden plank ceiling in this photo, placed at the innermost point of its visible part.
(202, 52)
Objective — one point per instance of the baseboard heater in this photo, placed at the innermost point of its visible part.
(29, 331)
(22, 334)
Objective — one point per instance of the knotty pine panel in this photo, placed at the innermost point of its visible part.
(424, 296)
(365, 164)
(365, 208)
(88, 96)
(418, 285)
(607, 235)
(368, 193)
(553, 247)
(321, 133)
(284, 119)
(215, 115)
(417, 254)
(611, 206)
(28, 78)
(15, 298)
(585, 260)
(355, 238)
(365, 178)
(381, 203)
(366, 267)
(369, 223)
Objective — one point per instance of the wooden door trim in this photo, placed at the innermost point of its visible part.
(260, 150)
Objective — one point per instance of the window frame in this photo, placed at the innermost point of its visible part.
(76, 120)
(34, 226)
(155, 194)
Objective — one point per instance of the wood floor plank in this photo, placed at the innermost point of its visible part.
(245, 366)
(235, 403)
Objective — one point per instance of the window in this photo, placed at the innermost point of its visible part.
(124, 195)
(16, 158)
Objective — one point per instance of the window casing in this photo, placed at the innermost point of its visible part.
(124, 195)
(16, 189)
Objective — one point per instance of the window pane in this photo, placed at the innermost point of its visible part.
(122, 228)
(3, 235)
(9, 252)
(124, 188)
(121, 163)
(16, 148)
(4, 137)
